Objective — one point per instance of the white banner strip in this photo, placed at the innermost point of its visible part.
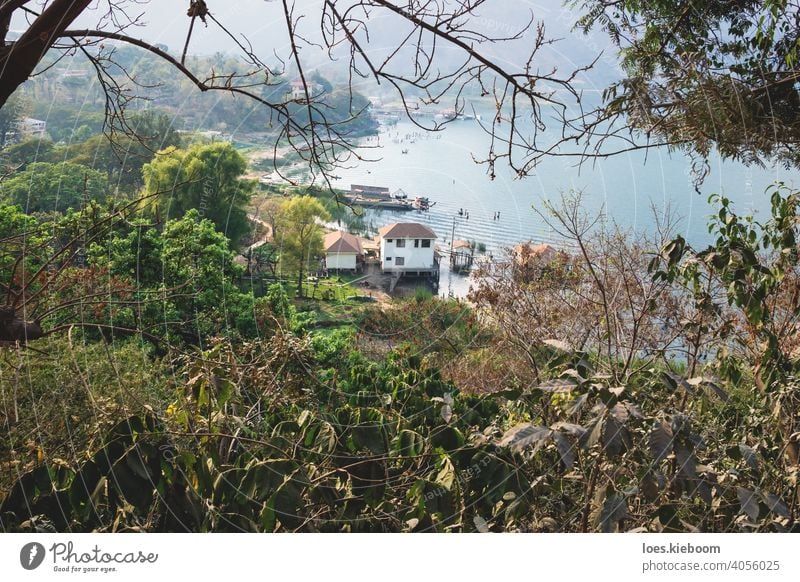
(374, 557)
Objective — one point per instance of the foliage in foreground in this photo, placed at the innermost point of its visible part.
(265, 437)
(674, 408)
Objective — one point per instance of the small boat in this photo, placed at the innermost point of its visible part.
(422, 203)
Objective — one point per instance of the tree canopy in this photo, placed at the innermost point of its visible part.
(207, 178)
(47, 187)
(704, 75)
(300, 235)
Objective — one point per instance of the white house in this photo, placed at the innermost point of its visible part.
(407, 247)
(33, 127)
(343, 251)
(297, 90)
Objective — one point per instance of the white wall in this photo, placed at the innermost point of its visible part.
(414, 257)
(341, 261)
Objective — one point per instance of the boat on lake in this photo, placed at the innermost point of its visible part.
(422, 203)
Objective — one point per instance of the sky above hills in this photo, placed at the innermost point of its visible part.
(263, 24)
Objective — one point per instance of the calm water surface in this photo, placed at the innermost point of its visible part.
(626, 188)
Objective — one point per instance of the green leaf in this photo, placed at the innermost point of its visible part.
(447, 473)
(410, 443)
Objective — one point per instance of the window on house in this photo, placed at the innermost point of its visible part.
(416, 243)
(388, 258)
(388, 240)
(426, 244)
(401, 243)
(400, 261)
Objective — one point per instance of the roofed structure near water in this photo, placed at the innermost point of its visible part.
(406, 230)
(544, 252)
(370, 191)
(342, 242)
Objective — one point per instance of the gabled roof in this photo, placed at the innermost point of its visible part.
(406, 230)
(534, 249)
(461, 244)
(543, 252)
(342, 242)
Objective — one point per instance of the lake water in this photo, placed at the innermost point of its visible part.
(625, 187)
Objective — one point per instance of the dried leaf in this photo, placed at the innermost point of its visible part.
(594, 433)
(616, 439)
(634, 410)
(447, 413)
(480, 524)
(748, 502)
(558, 344)
(687, 463)
(620, 413)
(575, 430)
(617, 390)
(614, 508)
(649, 487)
(524, 435)
(557, 385)
(776, 504)
(750, 456)
(660, 440)
(566, 449)
(580, 402)
(573, 375)
(709, 383)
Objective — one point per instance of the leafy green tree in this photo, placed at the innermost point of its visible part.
(123, 156)
(64, 118)
(753, 267)
(10, 114)
(27, 151)
(300, 235)
(185, 278)
(47, 187)
(207, 178)
(15, 228)
(83, 133)
(348, 111)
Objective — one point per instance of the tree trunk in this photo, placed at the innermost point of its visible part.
(19, 59)
(300, 281)
(15, 329)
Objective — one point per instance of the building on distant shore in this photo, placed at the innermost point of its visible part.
(30, 127)
(297, 90)
(343, 251)
(408, 248)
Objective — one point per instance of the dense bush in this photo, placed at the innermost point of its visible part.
(638, 386)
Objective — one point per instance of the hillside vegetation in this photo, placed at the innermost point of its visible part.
(638, 385)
